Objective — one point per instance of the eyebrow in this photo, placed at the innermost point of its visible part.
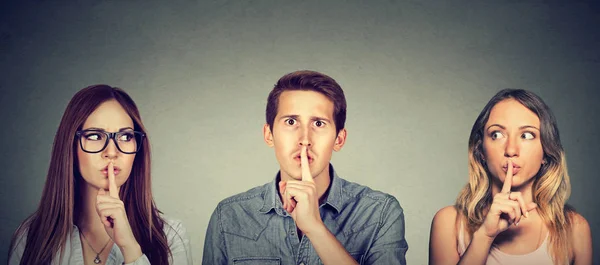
(101, 129)
(520, 128)
(312, 118)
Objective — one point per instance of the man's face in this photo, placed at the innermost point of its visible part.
(304, 118)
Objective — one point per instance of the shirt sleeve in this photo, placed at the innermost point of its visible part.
(179, 244)
(16, 252)
(389, 246)
(214, 244)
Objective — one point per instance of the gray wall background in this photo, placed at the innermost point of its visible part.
(415, 74)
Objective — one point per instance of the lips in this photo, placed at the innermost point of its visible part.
(298, 158)
(516, 168)
(105, 170)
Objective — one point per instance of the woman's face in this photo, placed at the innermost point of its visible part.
(109, 117)
(512, 132)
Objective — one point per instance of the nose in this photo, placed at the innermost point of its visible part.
(304, 139)
(111, 150)
(512, 147)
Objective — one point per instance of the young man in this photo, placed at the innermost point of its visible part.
(307, 214)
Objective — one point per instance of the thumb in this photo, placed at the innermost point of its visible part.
(531, 206)
(101, 192)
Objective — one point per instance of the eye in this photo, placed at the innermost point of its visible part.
(527, 136)
(319, 123)
(93, 136)
(125, 136)
(290, 122)
(495, 135)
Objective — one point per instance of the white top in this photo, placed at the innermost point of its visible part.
(73, 254)
(497, 257)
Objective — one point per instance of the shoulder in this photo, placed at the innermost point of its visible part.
(177, 239)
(18, 243)
(255, 194)
(443, 237)
(446, 214)
(445, 220)
(360, 193)
(172, 226)
(578, 221)
(237, 207)
(175, 232)
(375, 206)
(579, 226)
(581, 236)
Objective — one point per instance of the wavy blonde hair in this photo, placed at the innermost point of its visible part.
(551, 187)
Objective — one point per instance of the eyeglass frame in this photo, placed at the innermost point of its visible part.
(110, 135)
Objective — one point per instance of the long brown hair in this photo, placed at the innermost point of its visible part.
(551, 187)
(50, 225)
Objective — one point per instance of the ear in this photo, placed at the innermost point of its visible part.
(268, 135)
(340, 140)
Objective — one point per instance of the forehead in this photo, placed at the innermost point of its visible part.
(110, 116)
(510, 112)
(301, 102)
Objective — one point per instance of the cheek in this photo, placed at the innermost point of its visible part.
(490, 152)
(127, 164)
(84, 161)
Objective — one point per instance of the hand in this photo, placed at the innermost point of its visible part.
(111, 210)
(300, 198)
(507, 208)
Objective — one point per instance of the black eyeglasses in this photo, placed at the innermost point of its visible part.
(94, 141)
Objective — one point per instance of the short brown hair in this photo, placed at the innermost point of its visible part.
(309, 81)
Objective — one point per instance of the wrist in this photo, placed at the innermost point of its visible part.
(131, 252)
(482, 237)
(316, 230)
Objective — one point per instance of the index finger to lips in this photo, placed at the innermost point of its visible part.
(508, 180)
(112, 186)
(304, 164)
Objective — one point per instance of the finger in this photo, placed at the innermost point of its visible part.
(101, 192)
(518, 214)
(110, 205)
(112, 186)
(516, 196)
(297, 193)
(106, 198)
(304, 164)
(108, 217)
(531, 206)
(282, 193)
(308, 188)
(508, 211)
(508, 180)
(299, 184)
(290, 202)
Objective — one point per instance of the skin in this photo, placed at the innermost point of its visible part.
(304, 137)
(104, 218)
(513, 155)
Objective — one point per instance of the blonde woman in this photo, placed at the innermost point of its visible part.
(513, 209)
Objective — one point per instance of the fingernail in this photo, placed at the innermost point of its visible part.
(526, 214)
(517, 223)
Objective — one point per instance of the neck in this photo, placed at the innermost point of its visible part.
(88, 221)
(323, 182)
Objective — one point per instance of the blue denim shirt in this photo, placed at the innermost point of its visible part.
(253, 228)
